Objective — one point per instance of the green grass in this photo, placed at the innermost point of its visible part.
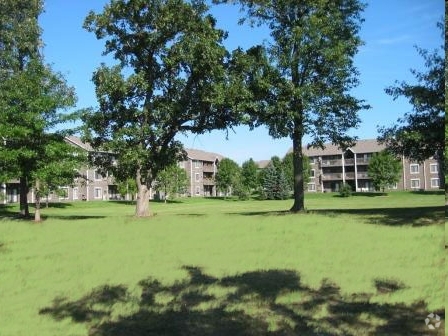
(349, 266)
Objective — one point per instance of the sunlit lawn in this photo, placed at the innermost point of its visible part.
(349, 266)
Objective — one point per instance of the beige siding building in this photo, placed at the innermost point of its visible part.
(201, 168)
(331, 168)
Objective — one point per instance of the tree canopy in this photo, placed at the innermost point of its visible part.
(228, 175)
(170, 79)
(420, 134)
(384, 170)
(301, 82)
(31, 97)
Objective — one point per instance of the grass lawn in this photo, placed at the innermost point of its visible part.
(364, 265)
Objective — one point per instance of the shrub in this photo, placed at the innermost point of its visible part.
(345, 191)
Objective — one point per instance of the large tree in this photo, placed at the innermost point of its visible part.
(306, 89)
(420, 134)
(31, 95)
(170, 79)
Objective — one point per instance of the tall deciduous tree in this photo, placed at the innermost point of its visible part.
(228, 175)
(307, 88)
(249, 171)
(169, 80)
(31, 95)
(420, 134)
(384, 170)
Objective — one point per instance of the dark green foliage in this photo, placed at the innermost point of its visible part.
(249, 172)
(177, 84)
(275, 185)
(346, 190)
(302, 82)
(31, 96)
(384, 170)
(228, 176)
(420, 133)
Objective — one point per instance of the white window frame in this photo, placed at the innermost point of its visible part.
(394, 186)
(312, 173)
(198, 190)
(311, 187)
(197, 177)
(100, 196)
(414, 165)
(432, 182)
(95, 174)
(75, 193)
(197, 164)
(432, 166)
(415, 187)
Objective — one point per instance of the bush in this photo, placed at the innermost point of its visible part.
(345, 191)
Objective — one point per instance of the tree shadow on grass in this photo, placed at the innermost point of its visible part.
(266, 302)
(412, 216)
(72, 217)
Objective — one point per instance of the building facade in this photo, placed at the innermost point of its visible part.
(201, 168)
(331, 168)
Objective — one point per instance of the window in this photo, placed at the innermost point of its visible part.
(311, 187)
(414, 167)
(98, 193)
(435, 183)
(198, 190)
(312, 173)
(63, 193)
(434, 168)
(98, 176)
(394, 186)
(197, 164)
(75, 193)
(197, 177)
(415, 184)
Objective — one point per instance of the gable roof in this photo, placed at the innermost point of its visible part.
(74, 140)
(361, 146)
(262, 163)
(197, 154)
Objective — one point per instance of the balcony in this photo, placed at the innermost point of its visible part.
(363, 175)
(362, 161)
(208, 168)
(208, 181)
(331, 163)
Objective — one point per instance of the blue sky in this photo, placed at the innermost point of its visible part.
(391, 30)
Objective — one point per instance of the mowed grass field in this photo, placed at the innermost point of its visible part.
(363, 265)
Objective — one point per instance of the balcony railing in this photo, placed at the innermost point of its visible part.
(208, 181)
(329, 163)
(208, 168)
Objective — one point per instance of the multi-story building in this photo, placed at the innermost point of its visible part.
(201, 168)
(331, 168)
(90, 185)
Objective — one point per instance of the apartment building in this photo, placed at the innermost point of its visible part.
(331, 168)
(90, 185)
(201, 168)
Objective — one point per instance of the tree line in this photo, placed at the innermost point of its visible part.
(174, 75)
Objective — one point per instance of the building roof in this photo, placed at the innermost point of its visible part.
(197, 154)
(361, 146)
(262, 164)
(74, 140)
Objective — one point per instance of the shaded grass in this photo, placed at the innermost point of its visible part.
(329, 271)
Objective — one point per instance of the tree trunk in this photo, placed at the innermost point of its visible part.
(24, 208)
(37, 212)
(143, 193)
(299, 193)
